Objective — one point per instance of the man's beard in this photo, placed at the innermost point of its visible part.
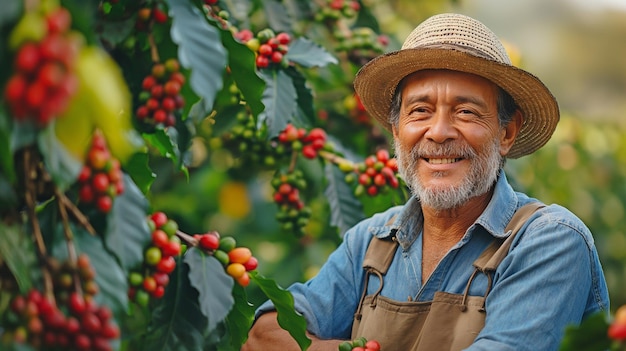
(484, 167)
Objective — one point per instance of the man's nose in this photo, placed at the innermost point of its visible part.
(441, 128)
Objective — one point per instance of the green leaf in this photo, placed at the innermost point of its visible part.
(62, 166)
(115, 31)
(242, 63)
(288, 318)
(199, 49)
(17, 250)
(590, 335)
(10, 11)
(6, 153)
(305, 95)
(138, 169)
(308, 54)
(161, 141)
(346, 209)
(280, 102)
(277, 16)
(177, 321)
(127, 232)
(8, 196)
(214, 286)
(240, 317)
(111, 279)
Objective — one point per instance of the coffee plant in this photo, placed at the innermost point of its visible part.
(101, 96)
(118, 117)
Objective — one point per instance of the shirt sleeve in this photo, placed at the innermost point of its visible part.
(549, 280)
(329, 300)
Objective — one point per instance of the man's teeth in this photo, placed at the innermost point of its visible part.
(439, 161)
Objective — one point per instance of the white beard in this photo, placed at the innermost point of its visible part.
(483, 172)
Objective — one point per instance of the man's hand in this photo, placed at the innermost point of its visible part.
(266, 334)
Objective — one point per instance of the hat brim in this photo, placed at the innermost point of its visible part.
(376, 81)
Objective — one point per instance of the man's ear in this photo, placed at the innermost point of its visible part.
(394, 131)
(509, 133)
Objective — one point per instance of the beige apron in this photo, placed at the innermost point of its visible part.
(448, 322)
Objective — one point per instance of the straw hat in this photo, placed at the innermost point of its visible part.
(460, 43)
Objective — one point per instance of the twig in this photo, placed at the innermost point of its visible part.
(335, 159)
(29, 196)
(154, 53)
(76, 213)
(69, 237)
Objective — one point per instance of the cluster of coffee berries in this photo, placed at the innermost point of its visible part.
(36, 320)
(617, 328)
(336, 9)
(375, 175)
(360, 344)
(298, 139)
(44, 79)
(160, 99)
(270, 48)
(67, 276)
(356, 110)
(292, 214)
(237, 261)
(362, 41)
(158, 262)
(101, 178)
(148, 15)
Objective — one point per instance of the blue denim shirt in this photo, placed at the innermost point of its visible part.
(551, 277)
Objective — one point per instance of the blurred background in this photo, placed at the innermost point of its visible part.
(576, 47)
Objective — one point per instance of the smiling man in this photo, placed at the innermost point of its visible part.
(467, 263)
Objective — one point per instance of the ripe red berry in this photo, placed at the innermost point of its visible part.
(85, 194)
(160, 238)
(148, 83)
(90, 323)
(209, 242)
(283, 38)
(28, 58)
(15, 88)
(161, 278)
(100, 182)
(59, 20)
(172, 88)
(159, 218)
(265, 50)
(159, 116)
(277, 57)
(110, 331)
(159, 15)
(76, 304)
(104, 203)
(251, 264)
(149, 284)
(166, 265)
(262, 61)
(379, 180)
(309, 151)
(172, 248)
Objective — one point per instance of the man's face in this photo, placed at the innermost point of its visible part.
(448, 139)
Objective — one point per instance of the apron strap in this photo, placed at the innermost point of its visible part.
(497, 251)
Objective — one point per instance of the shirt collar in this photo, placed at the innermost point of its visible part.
(408, 223)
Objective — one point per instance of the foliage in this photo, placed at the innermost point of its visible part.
(266, 143)
(108, 104)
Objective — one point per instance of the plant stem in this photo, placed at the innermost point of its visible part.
(30, 173)
(78, 215)
(69, 237)
(334, 158)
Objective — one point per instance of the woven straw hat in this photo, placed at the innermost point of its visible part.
(460, 43)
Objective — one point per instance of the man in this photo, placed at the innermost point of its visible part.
(457, 109)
